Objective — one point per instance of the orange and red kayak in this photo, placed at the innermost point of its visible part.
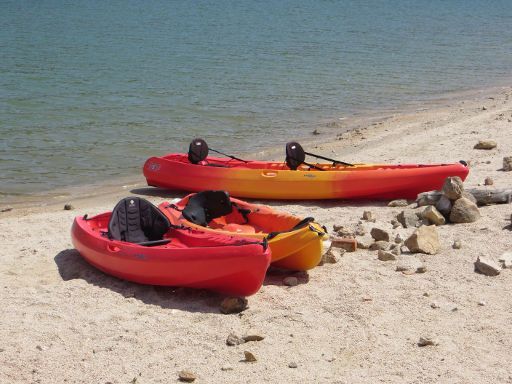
(275, 180)
(295, 243)
(227, 264)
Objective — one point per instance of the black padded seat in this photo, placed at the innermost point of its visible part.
(205, 206)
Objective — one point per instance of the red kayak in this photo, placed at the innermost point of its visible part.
(136, 242)
(295, 178)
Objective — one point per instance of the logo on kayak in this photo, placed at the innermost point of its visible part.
(310, 175)
(154, 166)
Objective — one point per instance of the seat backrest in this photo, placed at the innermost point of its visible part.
(295, 155)
(136, 220)
(197, 151)
(205, 206)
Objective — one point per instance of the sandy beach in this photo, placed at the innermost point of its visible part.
(356, 321)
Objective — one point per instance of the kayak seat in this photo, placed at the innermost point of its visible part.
(295, 155)
(136, 220)
(205, 206)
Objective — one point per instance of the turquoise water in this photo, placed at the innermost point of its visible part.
(90, 89)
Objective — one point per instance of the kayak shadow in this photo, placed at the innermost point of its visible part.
(281, 277)
(72, 266)
(159, 192)
(323, 204)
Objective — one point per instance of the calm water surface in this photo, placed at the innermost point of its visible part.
(90, 89)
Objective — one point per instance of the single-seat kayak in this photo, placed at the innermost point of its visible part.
(295, 243)
(296, 180)
(136, 242)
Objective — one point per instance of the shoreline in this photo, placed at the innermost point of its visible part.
(330, 132)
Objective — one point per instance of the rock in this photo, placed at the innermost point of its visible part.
(481, 303)
(485, 144)
(424, 341)
(444, 206)
(398, 239)
(253, 338)
(233, 339)
(424, 240)
(398, 203)
(292, 365)
(360, 230)
(343, 231)
(421, 269)
(226, 368)
(385, 255)
(364, 242)
(457, 244)
(433, 215)
(379, 234)
(464, 211)
(428, 198)
(434, 305)
(186, 376)
(488, 181)
(290, 281)
(233, 305)
(346, 243)
(6, 209)
(408, 219)
(507, 163)
(487, 266)
(68, 207)
(249, 357)
(332, 256)
(396, 249)
(453, 187)
(368, 216)
(379, 245)
(506, 260)
(469, 196)
(395, 223)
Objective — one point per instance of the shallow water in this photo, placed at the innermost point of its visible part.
(90, 89)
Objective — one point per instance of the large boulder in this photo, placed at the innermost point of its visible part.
(464, 211)
(453, 187)
(424, 240)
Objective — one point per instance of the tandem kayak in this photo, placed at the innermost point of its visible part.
(136, 242)
(297, 180)
(295, 243)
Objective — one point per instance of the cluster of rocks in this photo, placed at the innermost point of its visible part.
(451, 204)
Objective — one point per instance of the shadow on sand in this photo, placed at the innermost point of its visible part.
(72, 266)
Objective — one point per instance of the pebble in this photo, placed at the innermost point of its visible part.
(488, 181)
(290, 281)
(233, 305)
(379, 234)
(368, 216)
(68, 207)
(379, 245)
(457, 244)
(424, 341)
(292, 365)
(398, 203)
(485, 144)
(434, 305)
(385, 255)
(6, 209)
(398, 239)
(227, 368)
(421, 269)
(253, 338)
(186, 376)
(481, 303)
(249, 357)
(233, 339)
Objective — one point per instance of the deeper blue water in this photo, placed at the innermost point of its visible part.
(90, 89)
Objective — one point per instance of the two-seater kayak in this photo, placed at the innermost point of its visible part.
(295, 243)
(136, 242)
(295, 179)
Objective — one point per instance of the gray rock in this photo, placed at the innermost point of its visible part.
(385, 255)
(507, 163)
(364, 242)
(464, 211)
(428, 198)
(290, 281)
(379, 245)
(398, 239)
(453, 187)
(506, 260)
(408, 219)
(68, 207)
(398, 203)
(444, 206)
(424, 240)
(470, 197)
(425, 341)
(233, 305)
(486, 144)
(369, 216)
(433, 215)
(233, 339)
(343, 231)
(360, 230)
(186, 376)
(292, 365)
(379, 234)
(487, 266)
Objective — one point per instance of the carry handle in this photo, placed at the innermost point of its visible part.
(112, 248)
(269, 173)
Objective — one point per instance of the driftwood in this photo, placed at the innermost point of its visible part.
(483, 196)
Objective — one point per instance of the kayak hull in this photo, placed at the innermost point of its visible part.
(299, 249)
(192, 259)
(272, 180)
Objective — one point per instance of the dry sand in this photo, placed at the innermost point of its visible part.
(357, 321)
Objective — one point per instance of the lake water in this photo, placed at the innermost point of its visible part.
(90, 89)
